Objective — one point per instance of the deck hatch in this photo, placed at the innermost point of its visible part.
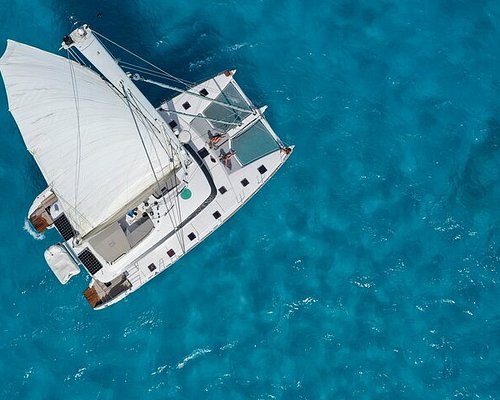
(171, 253)
(192, 236)
(64, 227)
(203, 152)
(262, 169)
(90, 261)
(244, 182)
(222, 190)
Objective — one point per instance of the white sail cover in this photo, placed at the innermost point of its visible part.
(93, 160)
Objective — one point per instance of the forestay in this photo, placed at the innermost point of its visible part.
(92, 159)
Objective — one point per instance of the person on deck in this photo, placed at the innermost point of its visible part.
(226, 158)
(214, 139)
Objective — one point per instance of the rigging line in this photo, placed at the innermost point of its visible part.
(142, 110)
(168, 142)
(165, 137)
(82, 217)
(222, 91)
(180, 236)
(162, 125)
(263, 128)
(148, 125)
(123, 97)
(250, 105)
(151, 74)
(76, 57)
(124, 64)
(235, 115)
(182, 81)
(142, 140)
(174, 224)
(151, 71)
(202, 117)
(69, 53)
(179, 207)
(177, 151)
(78, 137)
(236, 119)
(166, 73)
(103, 45)
(146, 121)
(118, 61)
(140, 78)
(171, 216)
(152, 142)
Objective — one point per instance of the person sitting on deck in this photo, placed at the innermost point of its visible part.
(213, 139)
(286, 150)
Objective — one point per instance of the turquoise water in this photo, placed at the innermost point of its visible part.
(366, 269)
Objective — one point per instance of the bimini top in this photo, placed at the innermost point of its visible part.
(82, 135)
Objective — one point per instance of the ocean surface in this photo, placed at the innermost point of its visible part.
(366, 269)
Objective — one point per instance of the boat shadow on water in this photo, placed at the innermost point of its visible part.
(191, 38)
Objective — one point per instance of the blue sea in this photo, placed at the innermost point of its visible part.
(368, 268)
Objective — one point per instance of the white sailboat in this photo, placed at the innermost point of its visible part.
(131, 188)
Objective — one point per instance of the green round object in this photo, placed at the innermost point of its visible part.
(186, 193)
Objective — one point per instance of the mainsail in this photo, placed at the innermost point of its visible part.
(82, 135)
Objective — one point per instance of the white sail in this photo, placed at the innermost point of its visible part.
(92, 159)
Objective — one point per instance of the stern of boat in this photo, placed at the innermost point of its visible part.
(100, 294)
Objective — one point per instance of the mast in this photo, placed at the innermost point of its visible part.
(87, 43)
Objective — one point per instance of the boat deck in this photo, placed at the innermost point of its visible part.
(101, 293)
(216, 190)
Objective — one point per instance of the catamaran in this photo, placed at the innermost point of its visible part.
(132, 187)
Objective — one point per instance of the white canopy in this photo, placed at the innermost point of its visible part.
(93, 160)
